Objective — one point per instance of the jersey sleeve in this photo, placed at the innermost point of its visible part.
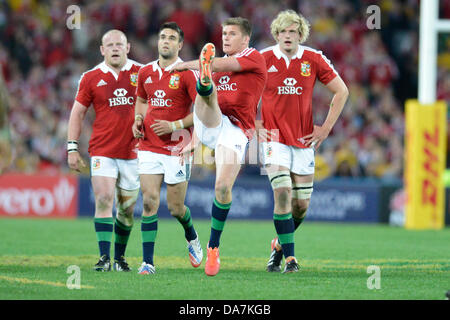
(325, 70)
(191, 83)
(84, 94)
(140, 89)
(251, 61)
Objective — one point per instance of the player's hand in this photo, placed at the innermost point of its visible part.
(137, 128)
(264, 135)
(186, 152)
(162, 127)
(75, 161)
(315, 139)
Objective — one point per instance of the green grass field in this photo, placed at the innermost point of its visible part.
(35, 255)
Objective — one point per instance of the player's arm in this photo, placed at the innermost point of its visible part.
(162, 127)
(320, 133)
(77, 116)
(140, 110)
(227, 64)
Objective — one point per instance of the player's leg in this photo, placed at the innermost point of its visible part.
(151, 188)
(103, 178)
(176, 177)
(206, 107)
(277, 161)
(226, 174)
(302, 175)
(301, 195)
(103, 188)
(176, 194)
(127, 191)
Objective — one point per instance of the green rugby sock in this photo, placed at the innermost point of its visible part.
(186, 222)
(121, 236)
(284, 225)
(149, 228)
(103, 230)
(219, 215)
(204, 90)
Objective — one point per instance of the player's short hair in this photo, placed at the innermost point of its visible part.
(174, 26)
(107, 33)
(285, 18)
(242, 23)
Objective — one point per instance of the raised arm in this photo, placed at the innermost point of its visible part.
(226, 64)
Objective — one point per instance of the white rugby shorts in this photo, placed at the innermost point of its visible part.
(169, 166)
(124, 170)
(226, 134)
(298, 160)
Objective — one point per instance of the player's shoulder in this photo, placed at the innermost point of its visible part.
(134, 65)
(308, 52)
(248, 52)
(148, 67)
(92, 73)
(269, 51)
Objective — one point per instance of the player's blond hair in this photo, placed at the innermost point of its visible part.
(285, 18)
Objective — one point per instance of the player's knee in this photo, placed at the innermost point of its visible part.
(223, 192)
(299, 207)
(125, 201)
(150, 202)
(282, 197)
(104, 201)
(176, 209)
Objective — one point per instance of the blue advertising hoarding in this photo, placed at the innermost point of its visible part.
(332, 200)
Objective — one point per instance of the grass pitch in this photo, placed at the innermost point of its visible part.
(35, 255)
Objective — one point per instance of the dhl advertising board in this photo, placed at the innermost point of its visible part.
(425, 152)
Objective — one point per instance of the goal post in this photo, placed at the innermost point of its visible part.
(426, 132)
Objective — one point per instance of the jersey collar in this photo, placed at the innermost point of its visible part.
(156, 66)
(279, 54)
(105, 68)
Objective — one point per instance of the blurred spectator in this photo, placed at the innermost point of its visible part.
(42, 61)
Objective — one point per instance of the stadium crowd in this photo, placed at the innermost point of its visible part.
(42, 60)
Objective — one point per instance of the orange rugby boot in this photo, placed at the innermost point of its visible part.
(212, 264)
(206, 57)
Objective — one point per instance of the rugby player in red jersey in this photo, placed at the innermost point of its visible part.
(289, 137)
(229, 89)
(164, 101)
(110, 88)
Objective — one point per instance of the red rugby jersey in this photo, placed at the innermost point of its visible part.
(170, 96)
(113, 97)
(238, 93)
(287, 97)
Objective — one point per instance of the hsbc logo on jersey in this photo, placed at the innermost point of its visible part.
(121, 98)
(224, 84)
(159, 101)
(289, 87)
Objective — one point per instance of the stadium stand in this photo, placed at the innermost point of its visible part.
(42, 60)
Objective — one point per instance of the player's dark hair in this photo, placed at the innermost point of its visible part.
(172, 25)
(243, 24)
